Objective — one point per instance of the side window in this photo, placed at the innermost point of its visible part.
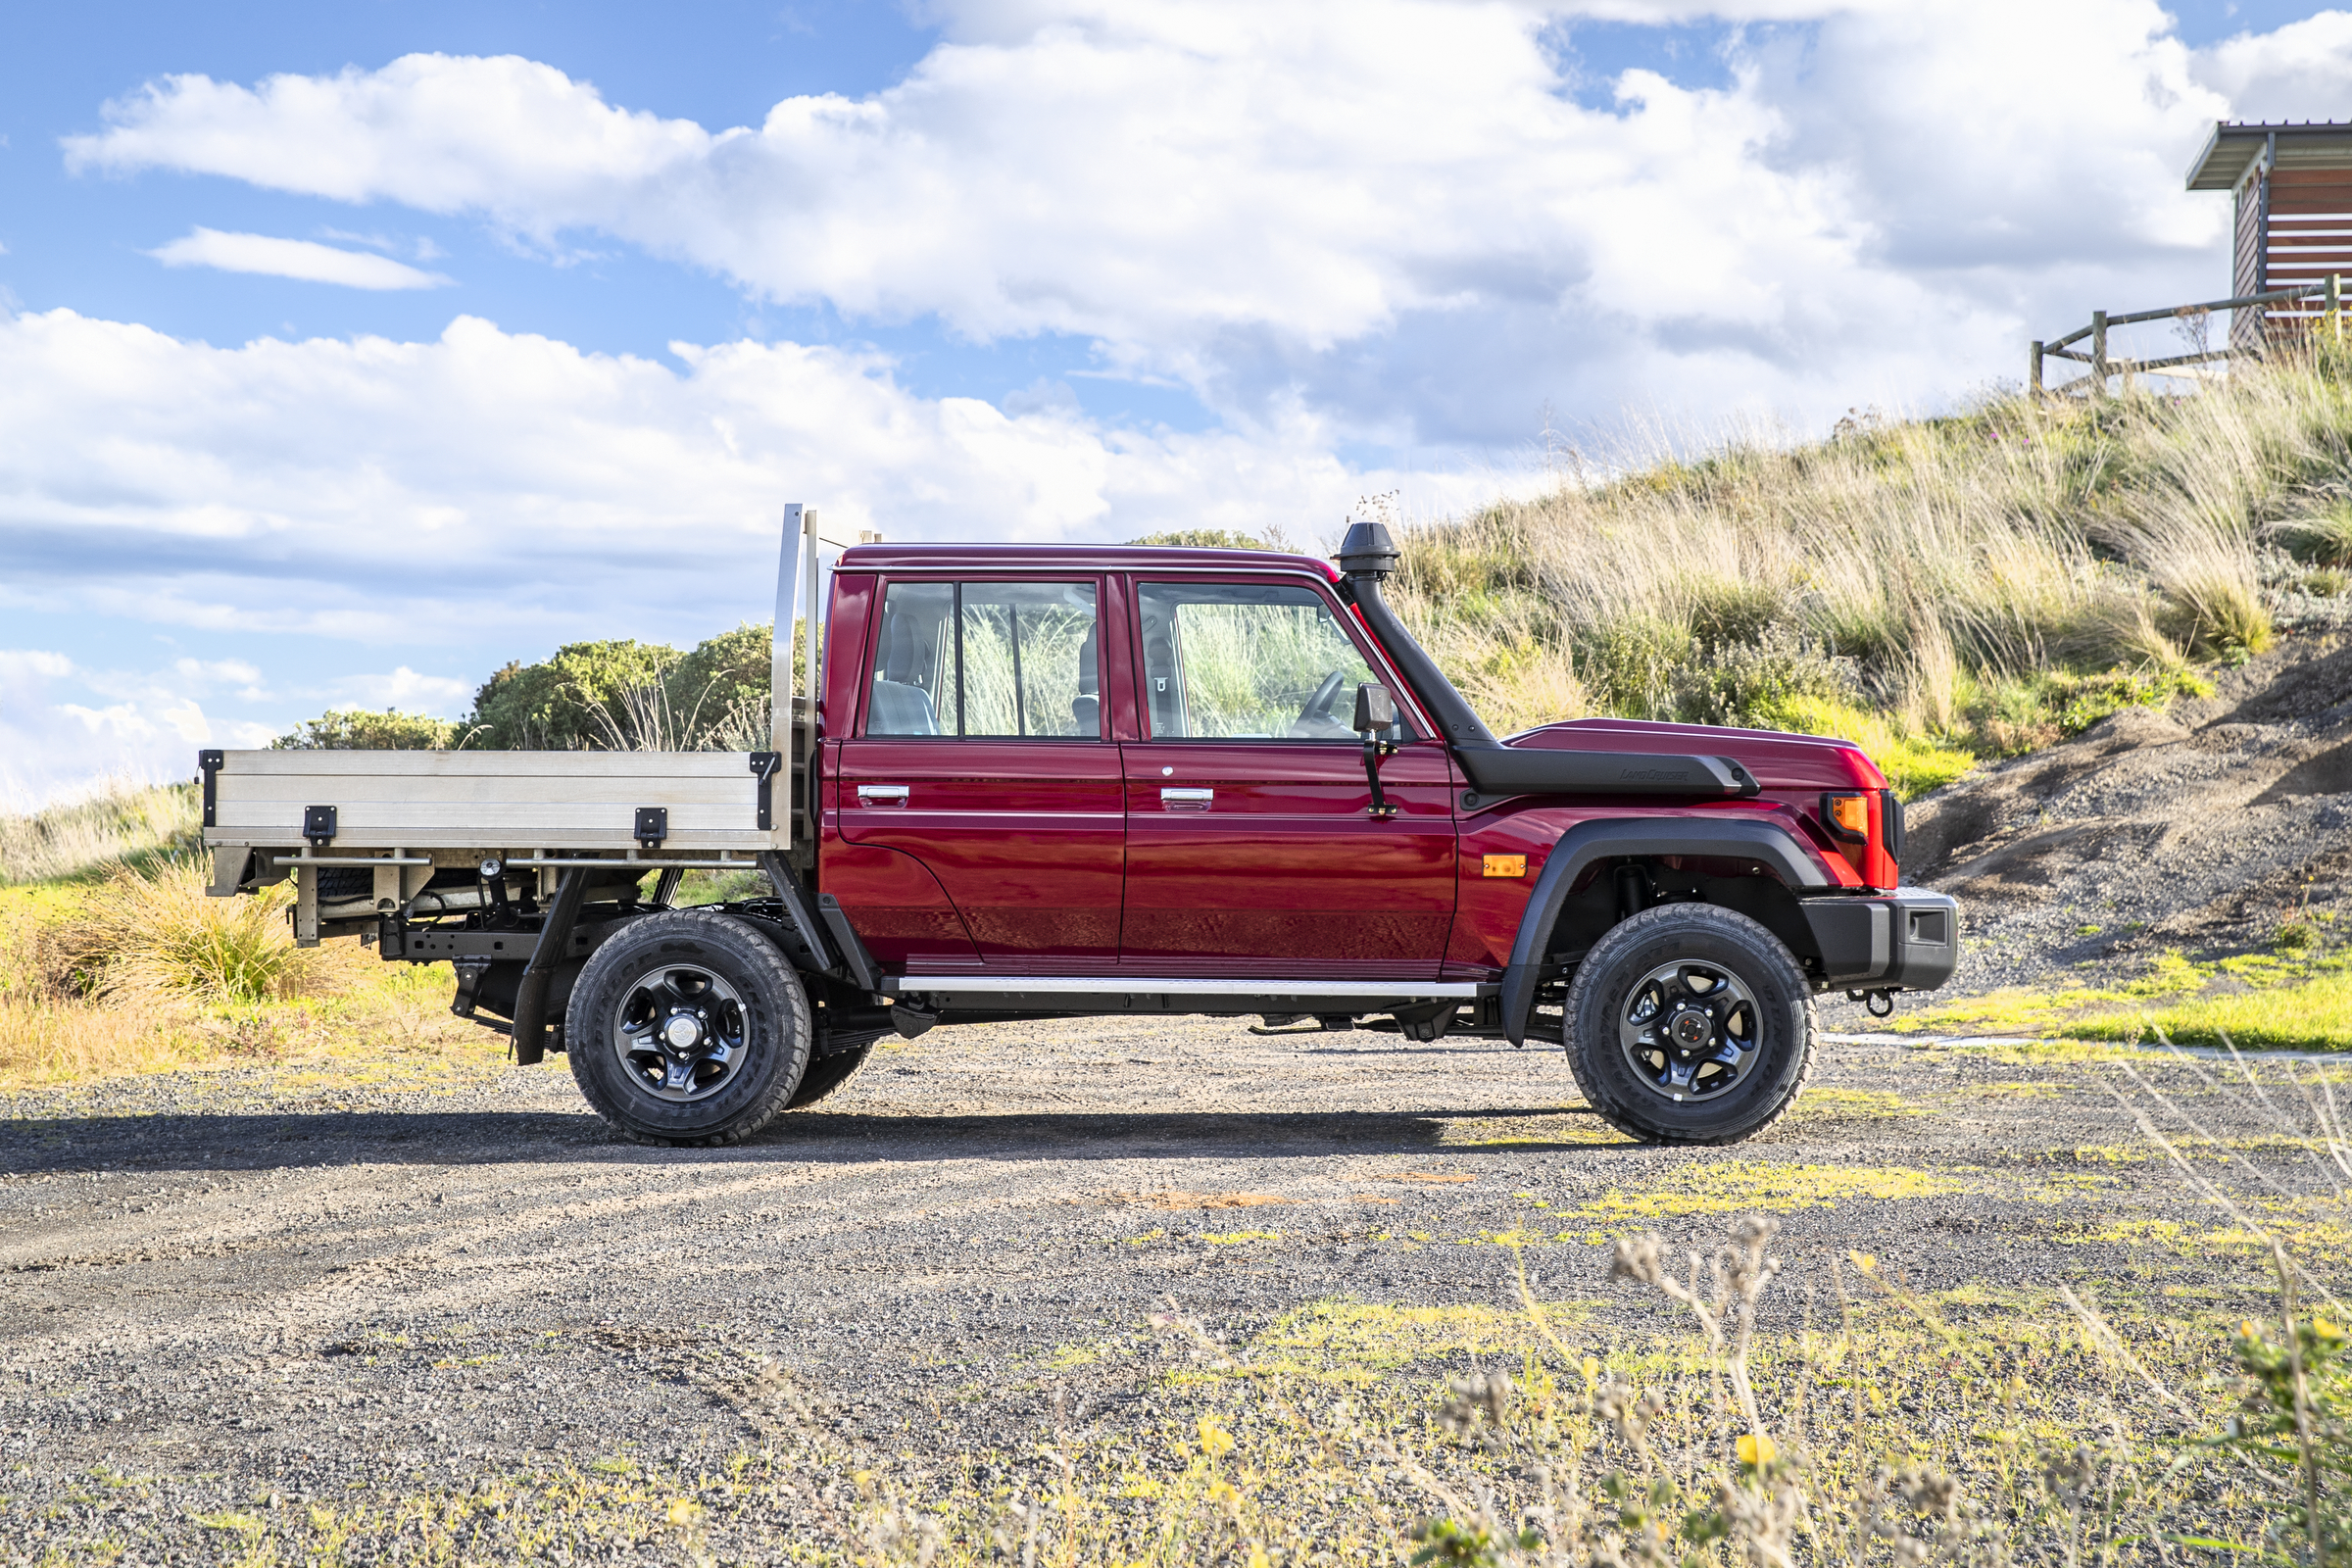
(1246, 662)
(987, 660)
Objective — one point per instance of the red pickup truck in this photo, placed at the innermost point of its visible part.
(1049, 782)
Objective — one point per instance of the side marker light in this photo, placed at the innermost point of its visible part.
(1506, 866)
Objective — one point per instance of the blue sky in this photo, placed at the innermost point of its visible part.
(1007, 268)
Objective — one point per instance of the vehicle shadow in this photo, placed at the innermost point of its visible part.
(320, 1140)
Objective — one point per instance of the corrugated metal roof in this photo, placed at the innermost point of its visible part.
(2235, 144)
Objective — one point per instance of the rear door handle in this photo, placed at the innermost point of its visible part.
(1201, 799)
(881, 794)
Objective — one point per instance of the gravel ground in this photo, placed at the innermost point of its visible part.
(2199, 828)
(250, 1291)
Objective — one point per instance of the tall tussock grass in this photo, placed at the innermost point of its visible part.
(116, 819)
(152, 934)
(1966, 586)
(144, 971)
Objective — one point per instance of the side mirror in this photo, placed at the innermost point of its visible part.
(1375, 709)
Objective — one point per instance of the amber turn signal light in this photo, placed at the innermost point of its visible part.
(1506, 866)
(1847, 816)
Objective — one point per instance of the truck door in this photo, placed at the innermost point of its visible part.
(1251, 843)
(981, 752)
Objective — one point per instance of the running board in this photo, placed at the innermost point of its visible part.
(1102, 993)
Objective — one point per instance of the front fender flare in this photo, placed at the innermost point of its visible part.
(1635, 838)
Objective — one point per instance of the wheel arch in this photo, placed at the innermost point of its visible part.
(1786, 863)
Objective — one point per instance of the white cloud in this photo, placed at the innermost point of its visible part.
(2302, 70)
(1398, 211)
(140, 726)
(400, 493)
(403, 689)
(302, 258)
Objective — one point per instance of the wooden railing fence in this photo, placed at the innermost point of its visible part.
(2104, 365)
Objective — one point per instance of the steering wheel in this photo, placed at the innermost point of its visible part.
(1318, 707)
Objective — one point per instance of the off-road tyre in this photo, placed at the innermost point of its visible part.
(828, 1073)
(775, 1021)
(1602, 991)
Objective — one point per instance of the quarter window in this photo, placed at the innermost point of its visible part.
(1246, 662)
(987, 660)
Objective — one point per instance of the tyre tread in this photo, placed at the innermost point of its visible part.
(1640, 928)
(774, 1100)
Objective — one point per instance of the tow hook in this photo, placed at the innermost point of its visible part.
(1879, 1002)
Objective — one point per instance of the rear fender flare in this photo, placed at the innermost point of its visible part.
(1635, 838)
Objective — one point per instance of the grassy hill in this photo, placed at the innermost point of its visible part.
(1939, 590)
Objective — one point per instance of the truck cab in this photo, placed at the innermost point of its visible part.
(1066, 781)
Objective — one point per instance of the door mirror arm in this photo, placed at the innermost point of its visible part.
(1375, 720)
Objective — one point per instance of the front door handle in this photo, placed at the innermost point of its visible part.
(1187, 798)
(881, 795)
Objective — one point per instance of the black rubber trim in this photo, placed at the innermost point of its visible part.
(1633, 838)
(859, 963)
(804, 923)
(555, 941)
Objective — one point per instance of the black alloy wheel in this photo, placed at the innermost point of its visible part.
(687, 1027)
(1689, 1024)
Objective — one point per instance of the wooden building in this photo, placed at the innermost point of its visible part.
(2292, 185)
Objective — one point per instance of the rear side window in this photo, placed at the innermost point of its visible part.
(1246, 662)
(987, 660)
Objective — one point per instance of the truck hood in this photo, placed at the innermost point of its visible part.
(1778, 761)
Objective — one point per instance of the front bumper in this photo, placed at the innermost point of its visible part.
(1908, 940)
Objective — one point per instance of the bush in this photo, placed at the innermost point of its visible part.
(1759, 684)
(155, 935)
(358, 729)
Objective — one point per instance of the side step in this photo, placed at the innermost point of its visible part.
(1102, 993)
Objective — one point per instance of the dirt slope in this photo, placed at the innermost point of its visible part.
(2201, 828)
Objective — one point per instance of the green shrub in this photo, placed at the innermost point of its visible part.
(358, 729)
(1759, 684)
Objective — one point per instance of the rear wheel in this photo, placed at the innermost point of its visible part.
(1689, 1024)
(828, 1073)
(687, 1027)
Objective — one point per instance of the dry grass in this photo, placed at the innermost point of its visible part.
(1944, 584)
(115, 820)
(143, 972)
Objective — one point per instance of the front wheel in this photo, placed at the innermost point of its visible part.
(1689, 1024)
(687, 1027)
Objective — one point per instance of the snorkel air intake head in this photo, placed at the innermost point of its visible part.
(1367, 551)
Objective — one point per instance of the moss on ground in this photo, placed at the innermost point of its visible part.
(2298, 998)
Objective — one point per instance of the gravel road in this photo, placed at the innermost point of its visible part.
(248, 1289)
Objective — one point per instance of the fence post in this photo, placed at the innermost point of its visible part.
(2098, 352)
(2033, 379)
(2335, 305)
